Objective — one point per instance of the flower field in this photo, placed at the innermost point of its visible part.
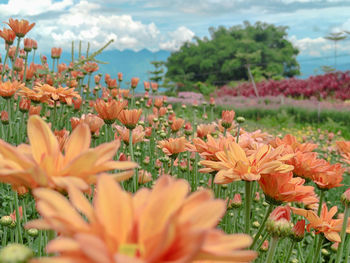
(92, 173)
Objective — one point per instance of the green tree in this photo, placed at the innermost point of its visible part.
(225, 56)
(158, 73)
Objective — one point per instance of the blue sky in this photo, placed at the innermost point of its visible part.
(166, 24)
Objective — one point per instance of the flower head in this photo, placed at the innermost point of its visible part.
(172, 147)
(42, 163)
(283, 187)
(8, 35)
(166, 224)
(324, 223)
(298, 231)
(278, 223)
(110, 110)
(9, 88)
(130, 118)
(20, 27)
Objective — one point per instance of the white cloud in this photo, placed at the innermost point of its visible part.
(32, 7)
(178, 37)
(89, 22)
(318, 46)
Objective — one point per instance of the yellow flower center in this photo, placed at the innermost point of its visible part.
(130, 250)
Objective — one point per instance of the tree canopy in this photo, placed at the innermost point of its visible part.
(225, 56)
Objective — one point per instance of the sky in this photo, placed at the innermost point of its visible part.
(167, 24)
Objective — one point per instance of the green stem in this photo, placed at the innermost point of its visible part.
(14, 60)
(18, 219)
(248, 198)
(272, 249)
(318, 249)
(238, 130)
(262, 226)
(320, 203)
(4, 65)
(290, 251)
(25, 68)
(343, 235)
(132, 159)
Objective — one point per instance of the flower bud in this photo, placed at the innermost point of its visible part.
(298, 231)
(4, 117)
(15, 253)
(345, 197)
(33, 232)
(236, 202)
(265, 246)
(278, 223)
(240, 120)
(6, 221)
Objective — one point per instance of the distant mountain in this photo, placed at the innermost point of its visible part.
(137, 63)
(129, 62)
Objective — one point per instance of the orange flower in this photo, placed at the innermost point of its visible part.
(330, 177)
(203, 130)
(177, 124)
(343, 146)
(234, 164)
(34, 110)
(227, 118)
(36, 96)
(130, 117)
(62, 137)
(56, 52)
(42, 164)
(8, 35)
(9, 88)
(173, 147)
(158, 102)
(166, 224)
(123, 133)
(284, 188)
(109, 111)
(325, 223)
(21, 28)
(134, 82)
(144, 177)
(24, 105)
(307, 164)
(90, 67)
(63, 94)
(294, 144)
(208, 149)
(93, 121)
(344, 149)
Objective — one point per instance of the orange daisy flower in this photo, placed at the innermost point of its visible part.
(330, 177)
(324, 223)
(36, 96)
(109, 111)
(208, 149)
(9, 88)
(203, 130)
(173, 147)
(42, 164)
(177, 124)
(166, 224)
(123, 133)
(284, 188)
(20, 27)
(294, 144)
(8, 35)
(63, 94)
(234, 164)
(130, 118)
